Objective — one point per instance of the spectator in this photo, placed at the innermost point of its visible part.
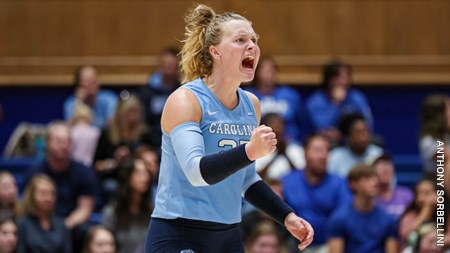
(87, 90)
(424, 240)
(118, 141)
(149, 155)
(315, 194)
(128, 216)
(361, 226)
(358, 147)
(9, 203)
(392, 199)
(435, 126)
(99, 240)
(151, 159)
(265, 239)
(422, 210)
(280, 99)
(40, 230)
(83, 135)
(75, 183)
(254, 216)
(8, 235)
(335, 99)
(287, 157)
(160, 85)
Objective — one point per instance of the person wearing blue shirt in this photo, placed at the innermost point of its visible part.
(161, 84)
(87, 90)
(280, 99)
(315, 194)
(210, 139)
(360, 226)
(334, 99)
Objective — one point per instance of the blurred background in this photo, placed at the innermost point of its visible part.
(396, 54)
(399, 50)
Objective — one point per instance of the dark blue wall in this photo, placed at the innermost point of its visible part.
(395, 109)
(396, 112)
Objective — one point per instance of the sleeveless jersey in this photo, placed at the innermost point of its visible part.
(222, 129)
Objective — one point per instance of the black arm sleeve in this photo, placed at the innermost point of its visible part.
(216, 167)
(262, 197)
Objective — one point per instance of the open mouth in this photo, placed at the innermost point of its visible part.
(248, 62)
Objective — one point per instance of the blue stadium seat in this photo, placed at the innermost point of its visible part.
(18, 167)
(408, 168)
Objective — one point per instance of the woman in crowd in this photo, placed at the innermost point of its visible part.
(265, 238)
(128, 215)
(8, 235)
(422, 210)
(99, 240)
(9, 203)
(39, 229)
(118, 141)
(434, 127)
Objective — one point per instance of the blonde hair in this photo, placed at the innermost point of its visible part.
(82, 112)
(29, 204)
(116, 127)
(203, 29)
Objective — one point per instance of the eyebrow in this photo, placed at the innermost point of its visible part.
(248, 34)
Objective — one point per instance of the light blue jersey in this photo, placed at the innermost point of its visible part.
(222, 129)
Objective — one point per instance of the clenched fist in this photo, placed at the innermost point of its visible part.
(262, 143)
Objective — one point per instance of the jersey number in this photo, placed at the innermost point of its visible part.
(231, 143)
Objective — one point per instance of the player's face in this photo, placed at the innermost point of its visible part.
(238, 51)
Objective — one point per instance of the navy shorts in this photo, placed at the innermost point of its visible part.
(192, 236)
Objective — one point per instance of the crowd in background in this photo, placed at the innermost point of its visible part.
(94, 189)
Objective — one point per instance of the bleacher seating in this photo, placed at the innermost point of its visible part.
(18, 167)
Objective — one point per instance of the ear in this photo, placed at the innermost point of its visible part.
(214, 52)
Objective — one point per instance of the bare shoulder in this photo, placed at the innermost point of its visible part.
(253, 97)
(256, 104)
(181, 106)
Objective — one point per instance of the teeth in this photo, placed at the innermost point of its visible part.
(249, 57)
